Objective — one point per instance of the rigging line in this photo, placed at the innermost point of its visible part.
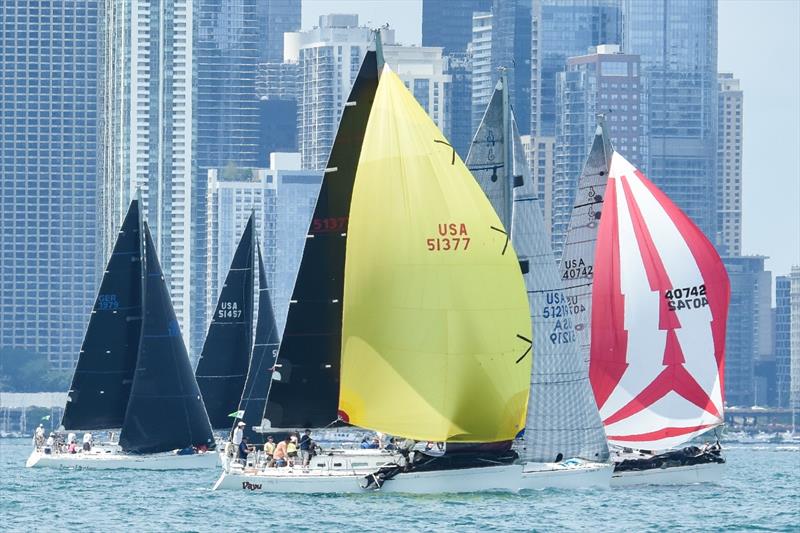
(505, 246)
(588, 204)
(453, 159)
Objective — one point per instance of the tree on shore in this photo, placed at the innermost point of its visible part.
(29, 371)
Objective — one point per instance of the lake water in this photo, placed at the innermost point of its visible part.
(760, 491)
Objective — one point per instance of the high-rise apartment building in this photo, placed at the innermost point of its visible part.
(729, 165)
(227, 117)
(277, 89)
(146, 130)
(273, 19)
(677, 43)
(283, 198)
(48, 175)
(794, 347)
(605, 82)
(448, 23)
(562, 29)
(782, 338)
(511, 50)
(459, 102)
(749, 317)
(329, 57)
(540, 154)
(483, 81)
(422, 70)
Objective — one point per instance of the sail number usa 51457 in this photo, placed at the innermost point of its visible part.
(450, 237)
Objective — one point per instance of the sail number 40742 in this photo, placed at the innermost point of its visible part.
(451, 237)
(686, 298)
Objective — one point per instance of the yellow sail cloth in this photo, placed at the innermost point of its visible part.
(433, 305)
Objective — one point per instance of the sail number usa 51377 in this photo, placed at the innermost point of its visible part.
(449, 237)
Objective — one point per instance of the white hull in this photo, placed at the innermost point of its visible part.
(580, 475)
(503, 478)
(673, 475)
(106, 460)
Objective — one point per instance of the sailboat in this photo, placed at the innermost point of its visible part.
(408, 316)
(133, 371)
(564, 444)
(659, 300)
(222, 369)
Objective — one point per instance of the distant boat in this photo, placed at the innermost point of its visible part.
(133, 371)
(658, 314)
(422, 333)
(563, 425)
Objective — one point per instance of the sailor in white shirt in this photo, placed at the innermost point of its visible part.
(238, 434)
(87, 441)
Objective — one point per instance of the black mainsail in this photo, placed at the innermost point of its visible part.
(309, 358)
(262, 361)
(222, 369)
(165, 410)
(101, 384)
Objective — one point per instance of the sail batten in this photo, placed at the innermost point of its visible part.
(224, 359)
(435, 332)
(658, 345)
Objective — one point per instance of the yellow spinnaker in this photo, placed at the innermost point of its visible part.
(432, 302)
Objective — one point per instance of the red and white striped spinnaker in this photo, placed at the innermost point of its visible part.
(660, 303)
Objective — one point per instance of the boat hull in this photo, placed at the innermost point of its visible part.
(503, 478)
(537, 476)
(112, 460)
(673, 475)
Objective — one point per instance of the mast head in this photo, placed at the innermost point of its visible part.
(379, 45)
(603, 133)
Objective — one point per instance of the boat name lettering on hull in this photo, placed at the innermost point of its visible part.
(686, 298)
(451, 237)
(246, 485)
(577, 269)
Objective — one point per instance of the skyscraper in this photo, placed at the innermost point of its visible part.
(560, 29)
(483, 81)
(677, 43)
(146, 122)
(782, 338)
(329, 57)
(606, 82)
(48, 175)
(274, 18)
(459, 102)
(794, 302)
(227, 117)
(749, 317)
(729, 165)
(448, 23)
(511, 49)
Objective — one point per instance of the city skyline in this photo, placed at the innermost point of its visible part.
(770, 179)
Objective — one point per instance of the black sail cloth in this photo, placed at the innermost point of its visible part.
(102, 381)
(309, 358)
(225, 357)
(165, 411)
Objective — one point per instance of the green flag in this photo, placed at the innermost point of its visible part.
(237, 414)
(46, 417)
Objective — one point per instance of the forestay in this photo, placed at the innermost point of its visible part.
(658, 326)
(436, 332)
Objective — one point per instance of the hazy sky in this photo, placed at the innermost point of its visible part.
(759, 42)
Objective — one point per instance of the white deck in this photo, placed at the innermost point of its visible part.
(107, 458)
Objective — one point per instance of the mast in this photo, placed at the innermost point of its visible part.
(508, 155)
(225, 357)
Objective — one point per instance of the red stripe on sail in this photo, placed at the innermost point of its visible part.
(711, 268)
(609, 340)
(674, 377)
(664, 433)
(656, 272)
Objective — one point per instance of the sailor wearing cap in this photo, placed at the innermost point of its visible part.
(238, 433)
